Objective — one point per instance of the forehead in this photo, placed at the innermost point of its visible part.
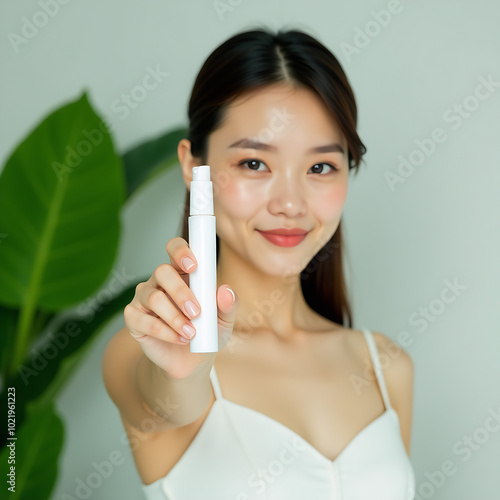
(283, 110)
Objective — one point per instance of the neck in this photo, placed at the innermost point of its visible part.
(271, 304)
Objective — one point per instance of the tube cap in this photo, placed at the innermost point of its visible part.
(201, 194)
(201, 173)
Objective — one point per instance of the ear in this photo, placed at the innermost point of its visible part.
(187, 161)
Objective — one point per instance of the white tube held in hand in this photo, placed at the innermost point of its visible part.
(202, 242)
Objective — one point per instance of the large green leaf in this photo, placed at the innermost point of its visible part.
(50, 366)
(60, 196)
(61, 192)
(35, 453)
(63, 209)
(143, 162)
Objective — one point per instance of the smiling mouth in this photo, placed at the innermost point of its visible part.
(283, 240)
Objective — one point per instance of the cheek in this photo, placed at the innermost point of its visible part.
(239, 199)
(330, 203)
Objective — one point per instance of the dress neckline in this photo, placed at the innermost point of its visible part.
(378, 376)
(272, 421)
(304, 441)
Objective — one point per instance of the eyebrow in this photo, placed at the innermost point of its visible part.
(253, 144)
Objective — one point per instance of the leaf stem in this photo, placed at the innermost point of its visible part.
(24, 326)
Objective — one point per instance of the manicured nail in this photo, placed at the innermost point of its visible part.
(187, 263)
(191, 308)
(232, 293)
(188, 330)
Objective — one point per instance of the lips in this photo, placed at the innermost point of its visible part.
(284, 237)
(286, 232)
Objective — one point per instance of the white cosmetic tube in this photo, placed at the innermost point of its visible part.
(202, 242)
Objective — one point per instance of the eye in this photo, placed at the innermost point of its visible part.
(253, 164)
(320, 165)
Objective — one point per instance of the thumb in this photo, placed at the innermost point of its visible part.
(227, 306)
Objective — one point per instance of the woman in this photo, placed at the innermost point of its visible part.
(295, 404)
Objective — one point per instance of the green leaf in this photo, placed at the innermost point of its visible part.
(143, 162)
(60, 196)
(36, 453)
(8, 320)
(61, 192)
(51, 365)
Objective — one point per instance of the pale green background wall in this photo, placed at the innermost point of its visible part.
(441, 224)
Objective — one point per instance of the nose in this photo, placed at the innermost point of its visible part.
(287, 198)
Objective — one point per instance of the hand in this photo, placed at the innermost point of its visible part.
(157, 315)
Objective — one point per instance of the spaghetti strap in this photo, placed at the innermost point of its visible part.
(215, 383)
(372, 347)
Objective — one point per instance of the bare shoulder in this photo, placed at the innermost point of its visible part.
(397, 364)
(398, 371)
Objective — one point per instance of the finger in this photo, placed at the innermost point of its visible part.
(182, 258)
(144, 325)
(227, 305)
(167, 278)
(156, 300)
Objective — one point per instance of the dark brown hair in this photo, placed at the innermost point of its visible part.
(258, 58)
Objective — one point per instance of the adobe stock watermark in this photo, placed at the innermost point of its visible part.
(118, 282)
(92, 139)
(363, 36)
(466, 447)
(31, 27)
(163, 410)
(126, 102)
(420, 319)
(40, 357)
(103, 470)
(58, 341)
(387, 354)
(454, 115)
(266, 307)
(278, 120)
(436, 307)
(223, 7)
(93, 480)
(274, 468)
(85, 146)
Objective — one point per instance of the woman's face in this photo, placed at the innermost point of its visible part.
(267, 175)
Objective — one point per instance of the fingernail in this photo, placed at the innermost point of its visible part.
(232, 293)
(187, 263)
(188, 330)
(191, 308)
